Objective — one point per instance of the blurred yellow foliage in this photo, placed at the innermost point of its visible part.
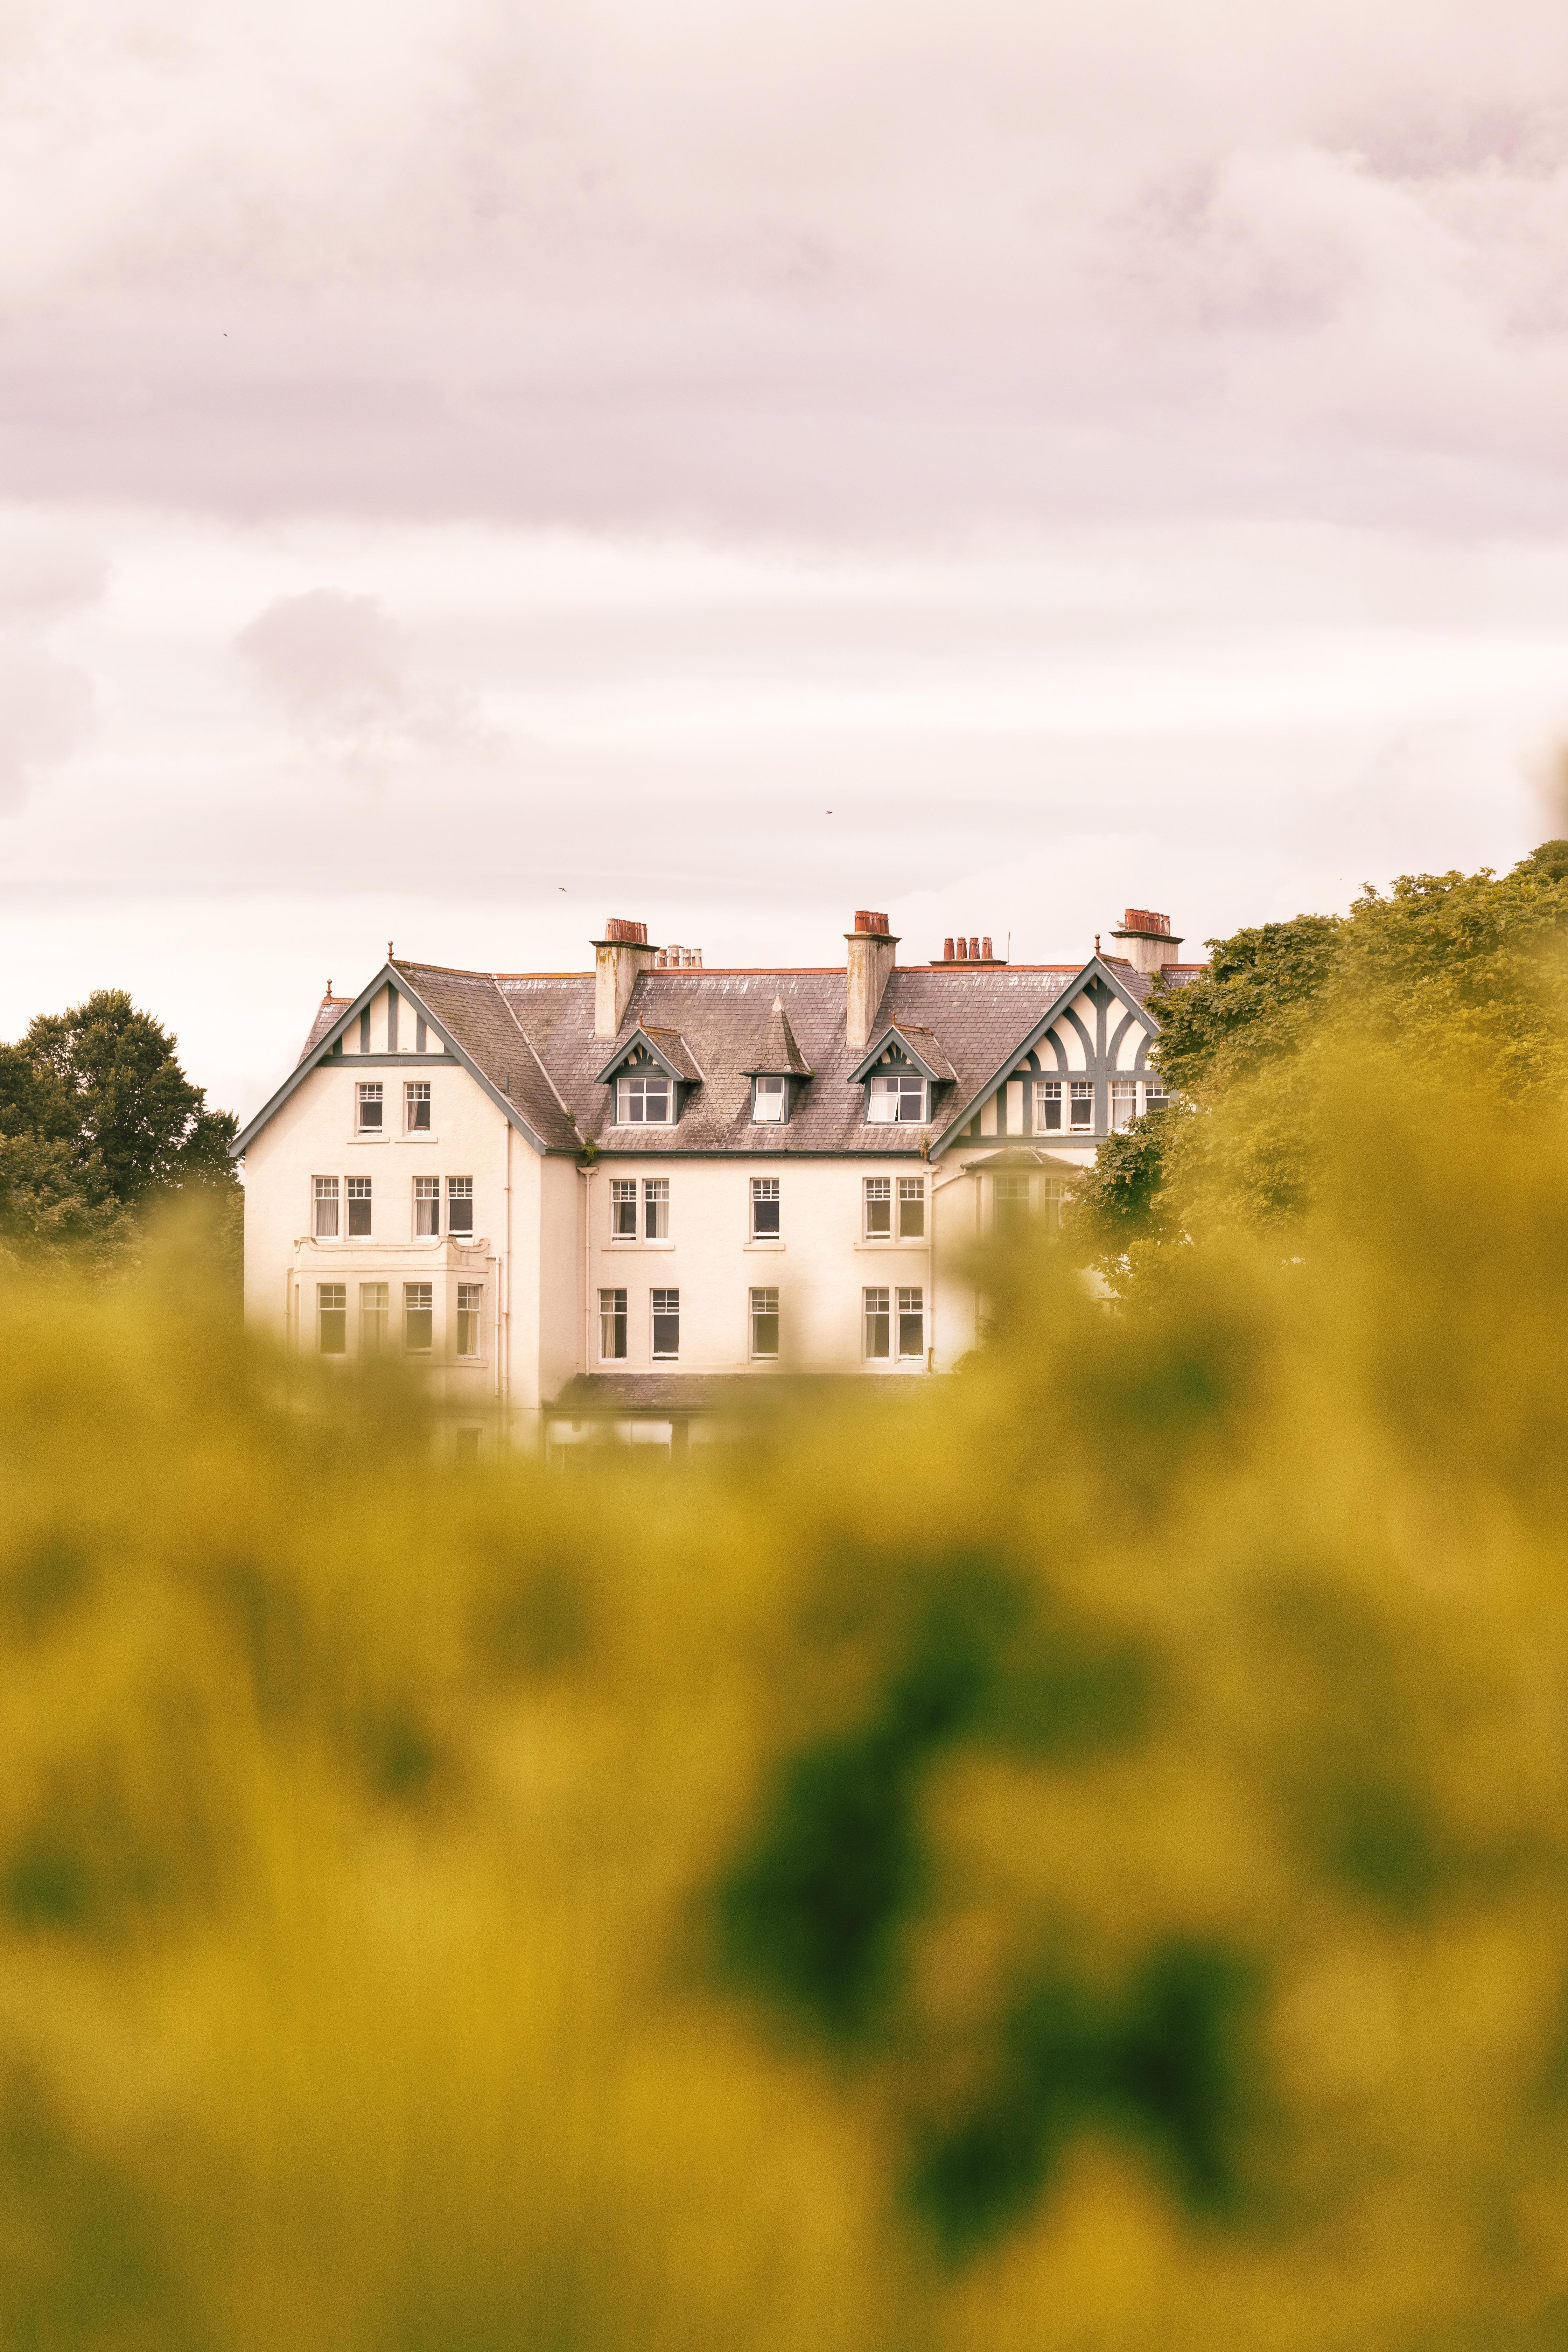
(1073, 1855)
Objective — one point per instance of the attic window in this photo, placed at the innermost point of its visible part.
(770, 1101)
(898, 1100)
(643, 1101)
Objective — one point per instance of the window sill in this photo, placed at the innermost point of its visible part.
(766, 1244)
(892, 1242)
(370, 1138)
(624, 1242)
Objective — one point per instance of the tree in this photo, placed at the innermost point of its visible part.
(1447, 978)
(98, 1124)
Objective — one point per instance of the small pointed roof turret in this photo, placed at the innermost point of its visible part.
(777, 1055)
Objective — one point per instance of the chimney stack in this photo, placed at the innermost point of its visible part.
(1149, 943)
(618, 958)
(872, 953)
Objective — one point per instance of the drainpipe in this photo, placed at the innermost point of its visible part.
(587, 1174)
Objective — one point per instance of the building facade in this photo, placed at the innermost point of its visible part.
(593, 1204)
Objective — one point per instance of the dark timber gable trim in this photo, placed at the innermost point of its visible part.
(1102, 984)
(330, 1049)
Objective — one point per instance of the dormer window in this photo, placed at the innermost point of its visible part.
(770, 1101)
(645, 1101)
(898, 1098)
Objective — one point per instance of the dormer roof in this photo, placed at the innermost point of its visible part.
(663, 1047)
(917, 1047)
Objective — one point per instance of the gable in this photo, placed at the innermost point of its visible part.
(1096, 1029)
(387, 1025)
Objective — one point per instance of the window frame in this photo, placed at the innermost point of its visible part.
(670, 1312)
(416, 1097)
(1049, 1097)
(765, 1194)
(610, 1318)
(876, 1305)
(415, 1304)
(626, 1092)
(875, 1192)
(656, 1208)
(904, 1314)
(370, 1094)
(470, 1308)
(624, 1195)
(325, 1192)
(332, 1299)
(770, 1087)
(374, 1319)
(427, 1195)
(357, 1194)
(1123, 1092)
(459, 1189)
(1011, 1187)
(762, 1308)
(903, 1080)
(1081, 1090)
(911, 1193)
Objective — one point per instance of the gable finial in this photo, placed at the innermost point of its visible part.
(1096, 944)
(328, 991)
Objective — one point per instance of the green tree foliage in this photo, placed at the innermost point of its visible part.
(99, 1127)
(1075, 1855)
(1447, 978)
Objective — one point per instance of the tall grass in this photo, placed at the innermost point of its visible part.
(1077, 1857)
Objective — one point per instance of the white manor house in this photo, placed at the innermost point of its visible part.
(593, 1201)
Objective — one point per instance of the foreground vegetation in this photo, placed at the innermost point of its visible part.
(1081, 1860)
(1452, 986)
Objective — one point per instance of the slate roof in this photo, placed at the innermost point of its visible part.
(777, 1055)
(532, 1035)
(327, 1012)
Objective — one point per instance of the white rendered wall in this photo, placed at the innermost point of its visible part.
(820, 1265)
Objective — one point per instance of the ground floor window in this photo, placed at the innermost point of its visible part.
(612, 1325)
(470, 1298)
(912, 1323)
(466, 1444)
(878, 1325)
(764, 1323)
(1011, 1204)
(374, 1313)
(332, 1317)
(666, 1324)
(418, 1316)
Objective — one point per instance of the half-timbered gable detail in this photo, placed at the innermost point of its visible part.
(1082, 1072)
(591, 1200)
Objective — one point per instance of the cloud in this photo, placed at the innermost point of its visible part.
(46, 704)
(797, 268)
(339, 669)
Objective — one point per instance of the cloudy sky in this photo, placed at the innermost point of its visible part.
(469, 470)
